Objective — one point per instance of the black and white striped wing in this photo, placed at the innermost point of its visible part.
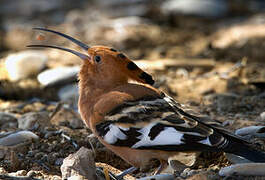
(157, 123)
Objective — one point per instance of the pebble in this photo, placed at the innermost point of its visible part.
(76, 177)
(125, 7)
(251, 131)
(69, 94)
(246, 169)
(59, 162)
(2, 171)
(18, 173)
(159, 177)
(34, 120)
(7, 120)
(39, 155)
(67, 116)
(224, 101)
(2, 154)
(188, 172)
(31, 173)
(18, 138)
(234, 159)
(262, 116)
(176, 166)
(29, 7)
(23, 64)
(80, 163)
(204, 175)
(56, 177)
(182, 160)
(202, 8)
(51, 158)
(58, 76)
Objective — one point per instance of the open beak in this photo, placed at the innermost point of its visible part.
(79, 43)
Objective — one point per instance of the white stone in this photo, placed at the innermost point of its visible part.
(262, 116)
(33, 120)
(159, 177)
(25, 63)
(58, 75)
(79, 165)
(234, 159)
(69, 93)
(204, 8)
(250, 130)
(17, 138)
(247, 169)
(7, 120)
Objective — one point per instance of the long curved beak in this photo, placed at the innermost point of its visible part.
(79, 43)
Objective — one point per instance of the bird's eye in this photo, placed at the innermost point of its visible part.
(97, 59)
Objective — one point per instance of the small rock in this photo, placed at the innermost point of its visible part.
(34, 120)
(59, 162)
(76, 177)
(67, 116)
(247, 169)
(7, 120)
(251, 131)
(262, 116)
(58, 76)
(204, 175)
(182, 160)
(56, 178)
(80, 163)
(223, 101)
(18, 173)
(39, 155)
(159, 177)
(2, 171)
(14, 161)
(23, 64)
(188, 172)
(51, 158)
(261, 96)
(176, 166)
(234, 159)
(29, 7)
(69, 94)
(31, 173)
(18, 138)
(125, 8)
(202, 8)
(237, 33)
(2, 154)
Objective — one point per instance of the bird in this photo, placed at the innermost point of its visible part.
(137, 121)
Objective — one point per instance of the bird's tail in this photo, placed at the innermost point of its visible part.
(247, 151)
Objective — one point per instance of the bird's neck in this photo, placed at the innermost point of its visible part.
(90, 92)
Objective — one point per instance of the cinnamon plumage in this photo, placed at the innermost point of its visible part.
(137, 121)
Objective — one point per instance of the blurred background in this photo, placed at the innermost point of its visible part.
(208, 54)
(216, 30)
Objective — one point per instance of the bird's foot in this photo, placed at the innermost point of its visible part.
(125, 172)
(162, 166)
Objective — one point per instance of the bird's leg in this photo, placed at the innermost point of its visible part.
(106, 173)
(125, 172)
(162, 166)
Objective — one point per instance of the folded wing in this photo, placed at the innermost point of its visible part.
(158, 123)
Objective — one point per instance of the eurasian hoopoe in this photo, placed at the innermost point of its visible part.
(137, 121)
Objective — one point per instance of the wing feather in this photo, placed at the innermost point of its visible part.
(157, 123)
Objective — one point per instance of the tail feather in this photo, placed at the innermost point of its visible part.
(246, 151)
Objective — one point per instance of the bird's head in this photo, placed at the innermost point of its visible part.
(103, 66)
